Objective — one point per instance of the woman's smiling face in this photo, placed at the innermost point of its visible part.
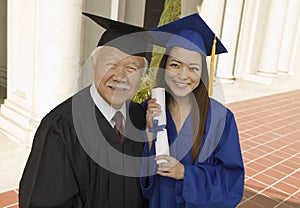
(183, 71)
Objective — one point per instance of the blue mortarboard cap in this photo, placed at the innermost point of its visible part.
(190, 32)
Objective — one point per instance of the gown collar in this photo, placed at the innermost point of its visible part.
(106, 109)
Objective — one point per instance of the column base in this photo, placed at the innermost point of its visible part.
(267, 74)
(226, 80)
(17, 124)
(283, 73)
(258, 79)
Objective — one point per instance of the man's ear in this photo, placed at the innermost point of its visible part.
(93, 67)
(94, 59)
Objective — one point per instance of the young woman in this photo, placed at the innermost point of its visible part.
(205, 167)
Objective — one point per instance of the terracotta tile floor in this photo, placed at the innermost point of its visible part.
(269, 130)
(9, 199)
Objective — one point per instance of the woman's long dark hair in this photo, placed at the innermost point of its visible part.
(201, 98)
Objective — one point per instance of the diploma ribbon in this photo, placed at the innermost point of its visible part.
(156, 128)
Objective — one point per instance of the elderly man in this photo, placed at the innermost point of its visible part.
(86, 151)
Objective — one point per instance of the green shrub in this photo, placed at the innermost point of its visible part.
(171, 12)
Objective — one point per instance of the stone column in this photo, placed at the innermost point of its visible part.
(213, 19)
(289, 35)
(230, 32)
(44, 47)
(268, 62)
(135, 12)
(190, 6)
(247, 39)
(294, 64)
(118, 10)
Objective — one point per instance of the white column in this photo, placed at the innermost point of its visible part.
(15, 114)
(213, 19)
(231, 27)
(289, 35)
(118, 10)
(129, 11)
(212, 13)
(294, 66)
(190, 6)
(245, 57)
(135, 12)
(44, 44)
(92, 31)
(272, 39)
(58, 52)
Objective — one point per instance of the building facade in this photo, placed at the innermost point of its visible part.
(44, 46)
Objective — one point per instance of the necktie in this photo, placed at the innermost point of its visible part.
(119, 127)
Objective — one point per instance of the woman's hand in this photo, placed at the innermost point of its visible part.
(172, 168)
(153, 110)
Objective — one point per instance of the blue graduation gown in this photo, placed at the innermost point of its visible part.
(217, 177)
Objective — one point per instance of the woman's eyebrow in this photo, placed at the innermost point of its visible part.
(194, 64)
(174, 59)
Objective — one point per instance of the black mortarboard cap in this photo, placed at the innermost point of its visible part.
(126, 37)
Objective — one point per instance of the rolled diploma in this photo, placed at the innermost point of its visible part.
(161, 144)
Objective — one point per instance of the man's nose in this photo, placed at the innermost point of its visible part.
(119, 73)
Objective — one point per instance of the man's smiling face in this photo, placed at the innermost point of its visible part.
(117, 75)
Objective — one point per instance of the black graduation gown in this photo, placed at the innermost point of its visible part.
(60, 173)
